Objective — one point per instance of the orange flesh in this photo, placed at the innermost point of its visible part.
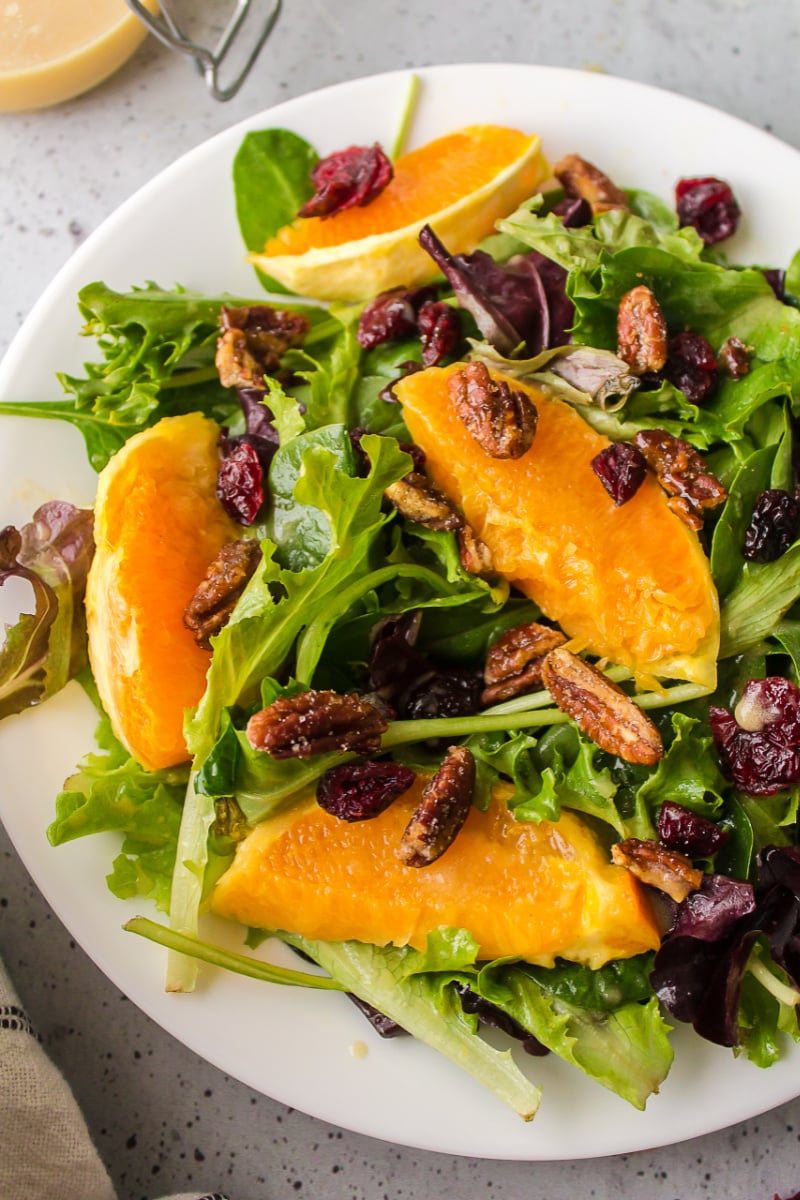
(630, 583)
(533, 890)
(158, 526)
(425, 181)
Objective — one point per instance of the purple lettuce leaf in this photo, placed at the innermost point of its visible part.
(508, 304)
(46, 648)
(699, 969)
(553, 277)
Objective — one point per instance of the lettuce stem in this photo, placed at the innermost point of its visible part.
(241, 964)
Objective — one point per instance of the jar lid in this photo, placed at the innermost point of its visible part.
(51, 50)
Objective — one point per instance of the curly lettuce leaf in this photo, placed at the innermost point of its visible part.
(112, 791)
(625, 1047)
(157, 350)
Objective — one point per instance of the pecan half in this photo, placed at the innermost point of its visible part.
(216, 597)
(475, 555)
(514, 663)
(314, 723)
(641, 331)
(600, 708)
(657, 866)
(682, 473)
(501, 420)
(416, 499)
(444, 808)
(252, 340)
(581, 178)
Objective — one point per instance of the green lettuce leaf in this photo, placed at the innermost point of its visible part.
(157, 361)
(427, 1006)
(111, 791)
(271, 183)
(625, 1048)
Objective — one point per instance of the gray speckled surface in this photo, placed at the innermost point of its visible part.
(162, 1118)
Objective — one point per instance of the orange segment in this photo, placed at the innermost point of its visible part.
(533, 890)
(629, 583)
(158, 524)
(461, 184)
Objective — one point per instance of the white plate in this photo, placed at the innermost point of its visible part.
(296, 1045)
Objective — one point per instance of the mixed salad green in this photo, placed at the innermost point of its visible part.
(337, 561)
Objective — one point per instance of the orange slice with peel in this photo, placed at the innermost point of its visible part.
(629, 583)
(158, 525)
(537, 890)
(461, 184)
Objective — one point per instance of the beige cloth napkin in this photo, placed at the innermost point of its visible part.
(46, 1152)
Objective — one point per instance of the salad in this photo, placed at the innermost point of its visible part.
(727, 777)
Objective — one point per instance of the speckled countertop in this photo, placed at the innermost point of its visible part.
(162, 1118)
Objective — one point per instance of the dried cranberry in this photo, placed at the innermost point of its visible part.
(240, 483)
(574, 211)
(392, 315)
(409, 367)
(439, 329)
(691, 366)
(360, 791)
(773, 526)
(681, 829)
(759, 748)
(350, 177)
(709, 205)
(394, 664)
(621, 469)
(450, 693)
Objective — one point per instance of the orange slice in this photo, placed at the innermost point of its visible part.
(460, 184)
(533, 890)
(158, 524)
(628, 583)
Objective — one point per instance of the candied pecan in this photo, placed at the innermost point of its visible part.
(641, 331)
(314, 723)
(475, 555)
(581, 178)
(252, 340)
(735, 358)
(444, 808)
(514, 662)
(654, 864)
(418, 500)
(502, 421)
(218, 593)
(682, 473)
(600, 708)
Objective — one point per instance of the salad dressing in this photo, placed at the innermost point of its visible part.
(51, 50)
